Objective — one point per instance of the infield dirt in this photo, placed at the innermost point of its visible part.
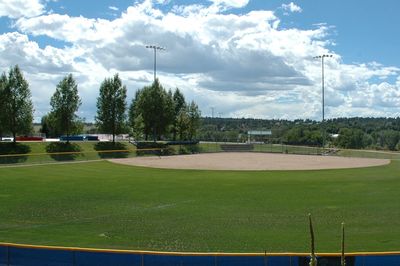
(251, 161)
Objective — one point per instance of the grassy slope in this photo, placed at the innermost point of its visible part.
(101, 204)
(37, 152)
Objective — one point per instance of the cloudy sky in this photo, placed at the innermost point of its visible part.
(244, 58)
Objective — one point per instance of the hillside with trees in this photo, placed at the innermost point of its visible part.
(351, 133)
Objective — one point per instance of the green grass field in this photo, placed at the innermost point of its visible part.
(105, 205)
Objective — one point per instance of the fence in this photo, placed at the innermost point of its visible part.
(99, 150)
(29, 255)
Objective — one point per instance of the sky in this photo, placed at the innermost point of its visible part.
(240, 58)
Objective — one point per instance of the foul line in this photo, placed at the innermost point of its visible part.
(144, 252)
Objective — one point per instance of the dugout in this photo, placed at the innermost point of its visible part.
(258, 136)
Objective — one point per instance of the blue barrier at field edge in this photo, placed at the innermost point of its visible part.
(11, 255)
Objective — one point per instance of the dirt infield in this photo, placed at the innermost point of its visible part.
(251, 161)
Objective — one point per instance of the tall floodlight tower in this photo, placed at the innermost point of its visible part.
(322, 57)
(155, 48)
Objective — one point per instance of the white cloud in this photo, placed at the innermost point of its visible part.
(231, 3)
(242, 64)
(292, 7)
(162, 2)
(66, 28)
(113, 8)
(21, 8)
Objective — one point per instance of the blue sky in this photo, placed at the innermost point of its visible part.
(245, 58)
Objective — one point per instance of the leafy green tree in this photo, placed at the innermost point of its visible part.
(389, 139)
(49, 126)
(138, 129)
(18, 104)
(132, 110)
(154, 104)
(135, 119)
(111, 107)
(181, 126)
(187, 121)
(350, 138)
(160, 113)
(194, 119)
(65, 103)
(3, 120)
(179, 106)
(45, 126)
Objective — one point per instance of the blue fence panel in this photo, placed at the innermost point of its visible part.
(326, 261)
(39, 257)
(176, 260)
(378, 260)
(240, 260)
(28, 256)
(85, 258)
(284, 260)
(3, 256)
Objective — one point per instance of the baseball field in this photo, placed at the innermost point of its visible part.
(109, 205)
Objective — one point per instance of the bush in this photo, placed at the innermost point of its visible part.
(109, 146)
(153, 148)
(13, 148)
(70, 150)
(189, 149)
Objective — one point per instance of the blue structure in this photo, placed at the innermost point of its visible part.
(28, 255)
(79, 138)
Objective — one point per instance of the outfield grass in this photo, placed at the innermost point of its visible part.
(100, 204)
(370, 154)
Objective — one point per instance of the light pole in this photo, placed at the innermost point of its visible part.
(322, 57)
(155, 48)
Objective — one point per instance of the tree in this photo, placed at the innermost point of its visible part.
(49, 126)
(3, 121)
(182, 122)
(135, 121)
(351, 138)
(179, 106)
(389, 139)
(194, 119)
(111, 107)
(155, 111)
(154, 105)
(45, 129)
(18, 109)
(65, 103)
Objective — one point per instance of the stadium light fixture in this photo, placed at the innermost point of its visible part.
(155, 48)
(322, 57)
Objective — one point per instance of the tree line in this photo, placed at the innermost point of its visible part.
(349, 133)
(154, 111)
